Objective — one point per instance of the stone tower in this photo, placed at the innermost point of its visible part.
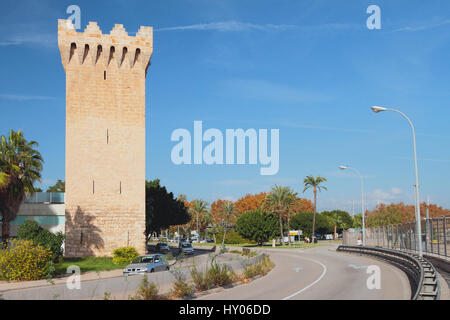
(105, 137)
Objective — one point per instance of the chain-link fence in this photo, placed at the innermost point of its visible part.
(435, 236)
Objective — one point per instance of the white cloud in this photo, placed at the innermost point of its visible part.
(219, 196)
(45, 40)
(16, 97)
(236, 26)
(385, 195)
(424, 26)
(229, 26)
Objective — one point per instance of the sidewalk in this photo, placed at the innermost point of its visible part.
(88, 276)
(94, 285)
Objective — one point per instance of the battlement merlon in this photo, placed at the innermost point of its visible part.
(93, 48)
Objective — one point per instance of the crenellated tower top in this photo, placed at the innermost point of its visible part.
(114, 50)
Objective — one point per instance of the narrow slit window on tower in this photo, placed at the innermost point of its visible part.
(104, 75)
(120, 187)
(93, 187)
(107, 136)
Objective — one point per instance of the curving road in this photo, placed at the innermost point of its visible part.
(320, 273)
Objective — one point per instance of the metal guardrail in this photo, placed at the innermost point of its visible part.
(421, 273)
(435, 236)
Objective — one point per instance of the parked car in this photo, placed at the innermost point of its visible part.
(147, 263)
(162, 248)
(186, 248)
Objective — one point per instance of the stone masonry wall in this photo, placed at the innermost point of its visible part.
(105, 137)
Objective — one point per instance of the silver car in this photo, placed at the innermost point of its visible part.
(147, 263)
(186, 248)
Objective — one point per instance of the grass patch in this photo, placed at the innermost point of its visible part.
(88, 264)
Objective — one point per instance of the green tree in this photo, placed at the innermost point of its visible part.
(162, 210)
(60, 186)
(20, 168)
(357, 220)
(314, 182)
(31, 230)
(342, 219)
(257, 225)
(304, 221)
(279, 200)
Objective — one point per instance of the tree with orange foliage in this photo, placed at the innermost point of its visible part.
(302, 205)
(250, 202)
(403, 213)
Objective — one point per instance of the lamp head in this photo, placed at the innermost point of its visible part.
(377, 109)
(343, 167)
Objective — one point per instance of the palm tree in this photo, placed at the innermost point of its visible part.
(314, 182)
(279, 200)
(20, 168)
(199, 208)
(227, 211)
(290, 201)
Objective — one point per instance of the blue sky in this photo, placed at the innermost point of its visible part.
(311, 69)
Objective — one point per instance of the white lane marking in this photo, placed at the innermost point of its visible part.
(356, 267)
(311, 284)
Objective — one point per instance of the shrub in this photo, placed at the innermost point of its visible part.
(232, 237)
(220, 275)
(214, 276)
(245, 252)
(24, 260)
(200, 279)
(31, 230)
(262, 267)
(258, 226)
(146, 291)
(124, 255)
(181, 288)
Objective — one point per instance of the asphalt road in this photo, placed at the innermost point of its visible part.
(320, 273)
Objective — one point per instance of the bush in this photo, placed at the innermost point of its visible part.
(200, 279)
(232, 237)
(24, 260)
(181, 288)
(124, 255)
(215, 276)
(258, 226)
(261, 268)
(220, 275)
(247, 253)
(146, 291)
(31, 230)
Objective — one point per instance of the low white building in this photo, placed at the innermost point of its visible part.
(47, 209)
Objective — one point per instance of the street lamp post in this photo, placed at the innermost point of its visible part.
(377, 109)
(362, 202)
